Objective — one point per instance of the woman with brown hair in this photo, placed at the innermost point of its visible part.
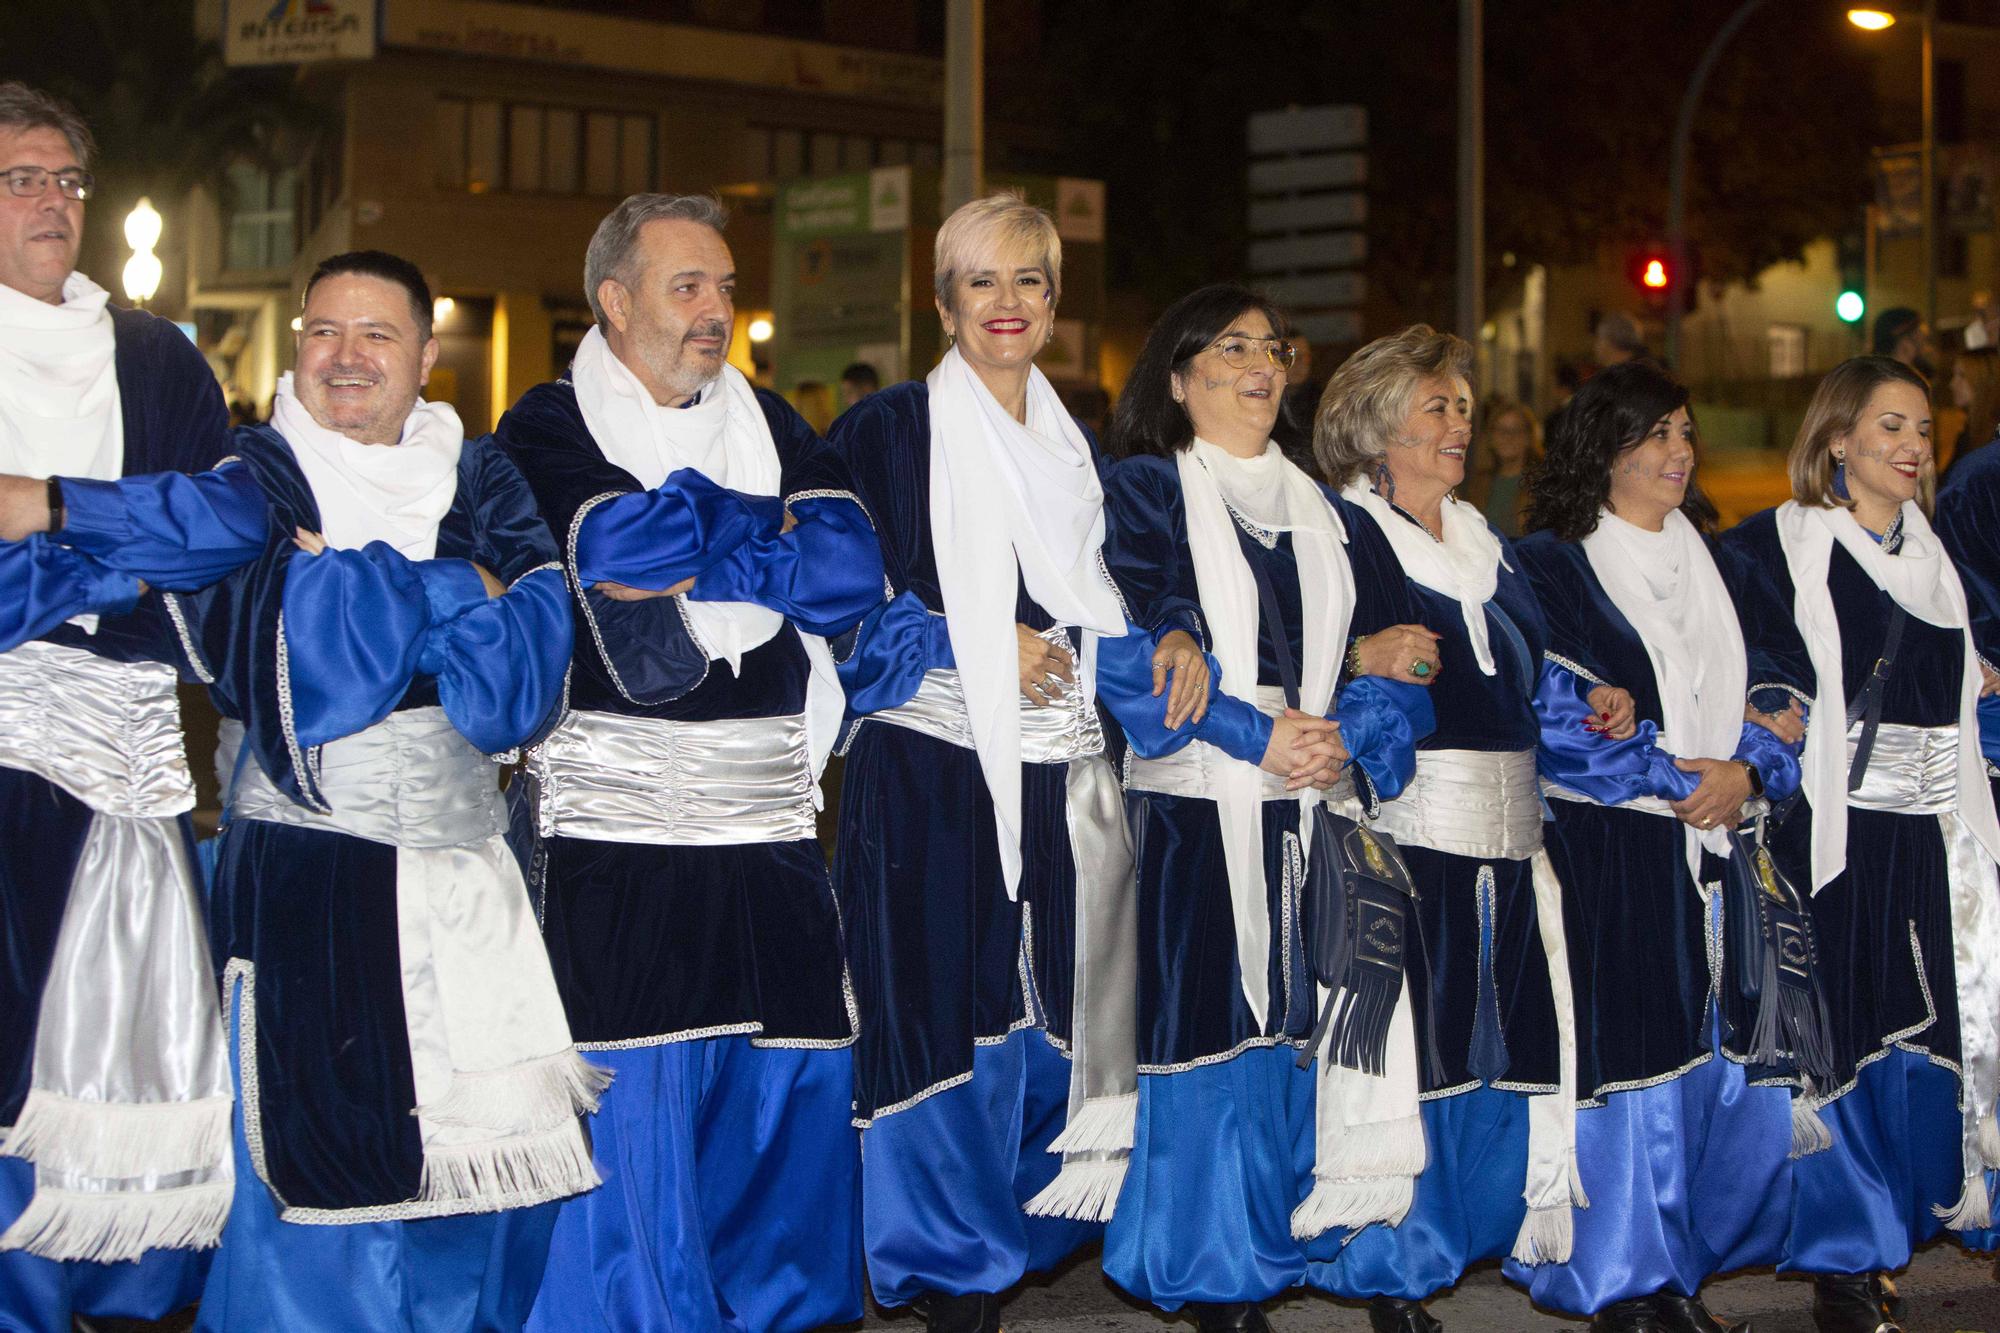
(1975, 391)
(1855, 609)
(1508, 445)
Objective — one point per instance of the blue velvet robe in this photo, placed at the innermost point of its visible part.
(1633, 918)
(313, 911)
(653, 943)
(1191, 1005)
(174, 419)
(1502, 1034)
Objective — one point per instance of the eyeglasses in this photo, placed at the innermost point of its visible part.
(33, 182)
(1242, 353)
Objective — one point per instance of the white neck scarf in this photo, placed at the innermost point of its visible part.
(1924, 583)
(59, 407)
(371, 492)
(1270, 492)
(1011, 503)
(1667, 587)
(1463, 564)
(724, 436)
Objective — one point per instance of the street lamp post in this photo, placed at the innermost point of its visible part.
(1876, 20)
(1677, 176)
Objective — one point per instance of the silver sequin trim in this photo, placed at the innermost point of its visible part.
(1574, 668)
(200, 666)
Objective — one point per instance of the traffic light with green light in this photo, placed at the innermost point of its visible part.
(1851, 301)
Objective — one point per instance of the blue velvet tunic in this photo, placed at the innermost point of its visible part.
(1884, 933)
(174, 419)
(656, 943)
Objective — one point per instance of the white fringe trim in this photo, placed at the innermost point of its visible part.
(1105, 1124)
(1974, 1209)
(1353, 1204)
(1989, 1141)
(1365, 1152)
(1084, 1191)
(1545, 1237)
(120, 1140)
(1809, 1132)
(533, 1095)
(113, 1226)
(552, 1164)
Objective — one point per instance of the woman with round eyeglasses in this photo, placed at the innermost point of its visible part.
(1209, 522)
(1862, 616)
(1483, 1134)
(1683, 1152)
(983, 869)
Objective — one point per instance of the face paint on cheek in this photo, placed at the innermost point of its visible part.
(1210, 384)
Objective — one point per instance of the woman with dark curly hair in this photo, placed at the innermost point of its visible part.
(1684, 1161)
(1861, 613)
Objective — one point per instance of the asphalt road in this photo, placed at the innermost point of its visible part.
(1949, 1291)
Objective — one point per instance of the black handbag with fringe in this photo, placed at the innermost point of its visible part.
(1775, 957)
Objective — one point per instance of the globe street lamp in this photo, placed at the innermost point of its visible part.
(1877, 20)
(143, 269)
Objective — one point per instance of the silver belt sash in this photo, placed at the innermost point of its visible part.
(411, 780)
(127, 1115)
(108, 733)
(1912, 771)
(1049, 735)
(1471, 803)
(499, 1084)
(611, 778)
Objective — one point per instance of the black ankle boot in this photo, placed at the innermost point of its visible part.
(1633, 1316)
(1844, 1303)
(1386, 1314)
(1887, 1297)
(1676, 1313)
(1237, 1317)
(978, 1313)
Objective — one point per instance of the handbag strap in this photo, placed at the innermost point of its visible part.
(1867, 705)
(1281, 638)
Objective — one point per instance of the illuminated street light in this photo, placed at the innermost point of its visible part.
(1655, 275)
(143, 270)
(298, 324)
(441, 309)
(1873, 20)
(761, 330)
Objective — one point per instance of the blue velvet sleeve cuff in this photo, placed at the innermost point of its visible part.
(1777, 762)
(174, 531)
(353, 630)
(1381, 722)
(895, 644)
(655, 539)
(499, 664)
(824, 575)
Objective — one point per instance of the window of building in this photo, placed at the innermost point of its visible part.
(778, 153)
(261, 231)
(1788, 350)
(530, 148)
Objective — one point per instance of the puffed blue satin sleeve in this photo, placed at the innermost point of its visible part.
(1989, 728)
(1125, 686)
(1381, 722)
(43, 584)
(1593, 765)
(356, 625)
(655, 539)
(170, 529)
(499, 665)
(824, 575)
(895, 644)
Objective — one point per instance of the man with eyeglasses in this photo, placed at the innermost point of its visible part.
(114, 1079)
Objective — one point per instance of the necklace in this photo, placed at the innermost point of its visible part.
(1419, 522)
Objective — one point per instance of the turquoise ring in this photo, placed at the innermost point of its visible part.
(1420, 669)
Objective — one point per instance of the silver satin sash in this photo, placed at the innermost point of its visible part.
(1483, 803)
(127, 1115)
(612, 778)
(1487, 804)
(1191, 770)
(1914, 771)
(499, 1084)
(1096, 1143)
(1049, 735)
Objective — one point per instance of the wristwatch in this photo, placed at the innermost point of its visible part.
(55, 504)
(1756, 778)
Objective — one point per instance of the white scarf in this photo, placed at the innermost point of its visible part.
(1667, 587)
(59, 406)
(1272, 493)
(1463, 564)
(369, 492)
(725, 436)
(1924, 583)
(1012, 502)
